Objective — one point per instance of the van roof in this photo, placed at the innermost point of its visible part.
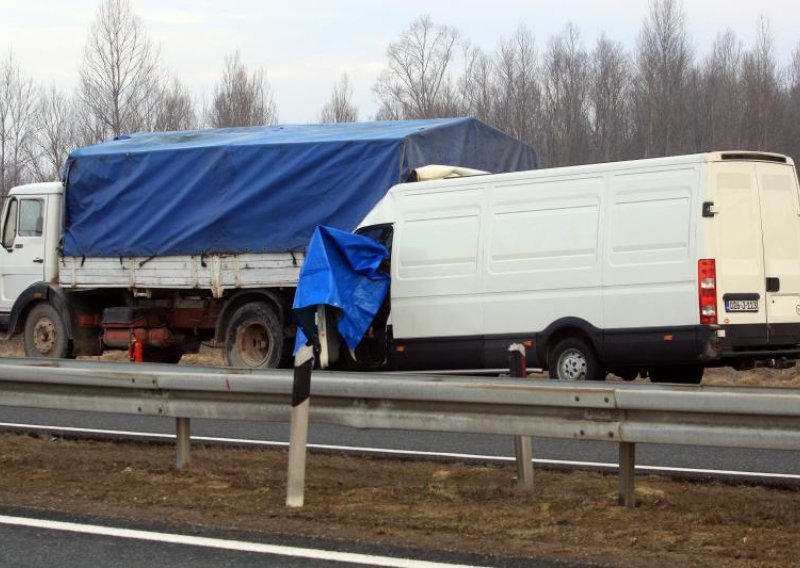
(705, 157)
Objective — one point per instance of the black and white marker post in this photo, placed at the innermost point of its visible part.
(298, 436)
(519, 368)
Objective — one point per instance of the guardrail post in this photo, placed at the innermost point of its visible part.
(182, 435)
(627, 465)
(298, 434)
(522, 444)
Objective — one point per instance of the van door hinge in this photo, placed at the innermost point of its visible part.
(709, 210)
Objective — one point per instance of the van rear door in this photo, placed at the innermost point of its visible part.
(755, 240)
(780, 223)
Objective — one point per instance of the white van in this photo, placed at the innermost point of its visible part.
(659, 267)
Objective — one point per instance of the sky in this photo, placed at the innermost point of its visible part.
(306, 45)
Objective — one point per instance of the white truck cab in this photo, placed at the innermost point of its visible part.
(30, 235)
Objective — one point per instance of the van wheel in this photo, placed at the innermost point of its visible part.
(572, 359)
(681, 374)
(254, 338)
(46, 333)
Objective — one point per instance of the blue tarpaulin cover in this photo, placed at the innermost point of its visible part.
(343, 270)
(259, 189)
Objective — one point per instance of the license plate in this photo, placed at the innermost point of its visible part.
(741, 305)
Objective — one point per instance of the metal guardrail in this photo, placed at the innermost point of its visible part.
(627, 414)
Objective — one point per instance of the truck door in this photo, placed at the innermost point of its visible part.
(780, 222)
(22, 252)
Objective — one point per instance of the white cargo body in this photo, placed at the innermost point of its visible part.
(660, 266)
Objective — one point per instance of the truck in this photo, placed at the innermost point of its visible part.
(159, 242)
(657, 267)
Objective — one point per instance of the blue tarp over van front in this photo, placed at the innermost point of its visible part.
(259, 189)
(342, 270)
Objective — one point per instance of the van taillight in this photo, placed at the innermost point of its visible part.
(707, 290)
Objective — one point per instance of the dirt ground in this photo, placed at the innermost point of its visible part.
(570, 516)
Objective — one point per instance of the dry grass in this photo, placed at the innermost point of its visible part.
(569, 516)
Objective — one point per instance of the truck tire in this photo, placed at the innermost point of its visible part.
(681, 374)
(254, 338)
(45, 334)
(572, 359)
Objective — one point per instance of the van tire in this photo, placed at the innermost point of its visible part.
(254, 337)
(681, 374)
(45, 334)
(572, 359)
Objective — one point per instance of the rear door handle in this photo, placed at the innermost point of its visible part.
(773, 284)
(38, 260)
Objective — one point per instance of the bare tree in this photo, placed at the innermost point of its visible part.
(18, 99)
(609, 96)
(663, 60)
(119, 79)
(56, 133)
(340, 107)
(565, 88)
(762, 104)
(476, 85)
(241, 98)
(518, 91)
(417, 81)
(176, 108)
(718, 118)
(792, 143)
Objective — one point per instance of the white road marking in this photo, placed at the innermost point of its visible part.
(225, 544)
(406, 453)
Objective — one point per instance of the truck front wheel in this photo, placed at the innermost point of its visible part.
(46, 333)
(254, 338)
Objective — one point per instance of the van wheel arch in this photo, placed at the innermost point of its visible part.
(571, 328)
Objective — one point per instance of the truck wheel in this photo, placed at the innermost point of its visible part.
(572, 359)
(681, 374)
(254, 338)
(46, 333)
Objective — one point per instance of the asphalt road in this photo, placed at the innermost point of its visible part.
(704, 459)
(32, 539)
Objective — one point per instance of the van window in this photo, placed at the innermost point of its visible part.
(381, 234)
(30, 217)
(10, 225)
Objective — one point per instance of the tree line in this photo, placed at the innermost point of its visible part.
(577, 105)
(574, 104)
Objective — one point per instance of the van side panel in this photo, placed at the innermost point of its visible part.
(543, 253)
(650, 265)
(437, 263)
